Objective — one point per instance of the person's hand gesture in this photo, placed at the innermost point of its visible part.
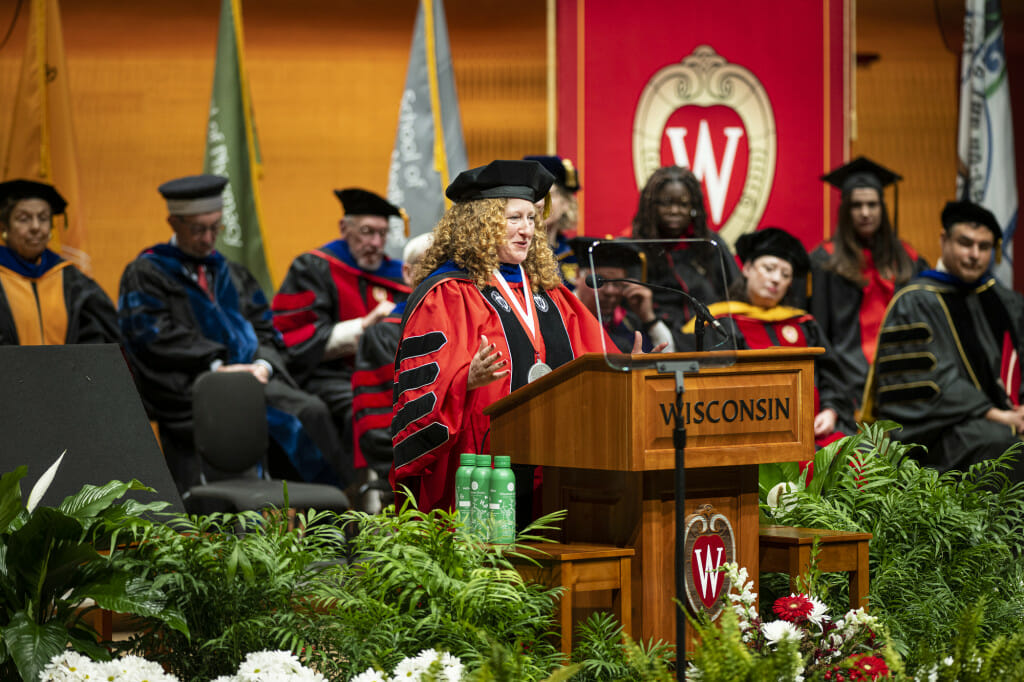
(486, 366)
(638, 344)
(825, 422)
(639, 299)
(382, 310)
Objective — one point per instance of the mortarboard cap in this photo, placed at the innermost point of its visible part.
(30, 189)
(968, 212)
(362, 202)
(502, 180)
(774, 241)
(861, 172)
(194, 194)
(563, 169)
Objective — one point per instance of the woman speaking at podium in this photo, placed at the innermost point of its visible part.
(488, 314)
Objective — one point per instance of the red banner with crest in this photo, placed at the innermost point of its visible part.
(753, 96)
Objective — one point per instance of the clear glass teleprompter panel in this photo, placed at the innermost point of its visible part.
(679, 279)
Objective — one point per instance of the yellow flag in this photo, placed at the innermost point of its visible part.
(41, 144)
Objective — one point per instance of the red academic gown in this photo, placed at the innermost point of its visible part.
(435, 418)
(756, 328)
(324, 287)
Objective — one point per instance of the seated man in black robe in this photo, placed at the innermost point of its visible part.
(184, 310)
(948, 361)
(330, 295)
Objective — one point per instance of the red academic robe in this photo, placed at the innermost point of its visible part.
(435, 418)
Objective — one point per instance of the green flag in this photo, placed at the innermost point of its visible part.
(232, 151)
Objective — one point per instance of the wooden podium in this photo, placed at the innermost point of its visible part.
(604, 438)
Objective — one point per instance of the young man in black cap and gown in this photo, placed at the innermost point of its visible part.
(186, 310)
(948, 364)
(856, 272)
(488, 314)
(330, 295)
(625, 307)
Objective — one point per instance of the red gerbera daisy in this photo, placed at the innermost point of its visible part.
(794, 608)
(873, 666)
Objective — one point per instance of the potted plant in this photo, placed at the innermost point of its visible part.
(54, 559)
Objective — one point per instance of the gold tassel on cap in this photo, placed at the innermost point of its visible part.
(405, 220)
(999, 251)
(547, 206)
(570, 175)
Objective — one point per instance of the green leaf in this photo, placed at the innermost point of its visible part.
(10, 496)
(92, 499)
(32, 645)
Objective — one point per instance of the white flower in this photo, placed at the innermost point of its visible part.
(819, 612)
(275, 666)
(452, 668)
(370, 675)
(65, 667)
(410, 669)
(74, 667)
(777, 630)
(780, 498)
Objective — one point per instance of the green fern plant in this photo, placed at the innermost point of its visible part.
(244, 582)
(940, 542)
(604, 652)
(419, 580)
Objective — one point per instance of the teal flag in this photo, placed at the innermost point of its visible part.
(429, 149)
(232, 151)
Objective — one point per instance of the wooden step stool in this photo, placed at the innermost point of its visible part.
(784, 549)
(581, 568)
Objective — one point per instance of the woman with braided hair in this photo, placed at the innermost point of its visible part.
(671, 206)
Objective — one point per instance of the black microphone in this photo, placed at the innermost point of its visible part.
(703, 314)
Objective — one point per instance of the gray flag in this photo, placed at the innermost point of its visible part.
(424, 162)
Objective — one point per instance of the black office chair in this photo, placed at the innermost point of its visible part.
(229, 413)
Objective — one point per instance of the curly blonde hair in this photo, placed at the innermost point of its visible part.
(471, 233)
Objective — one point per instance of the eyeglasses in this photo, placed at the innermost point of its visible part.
(198, 229)
(366, 231)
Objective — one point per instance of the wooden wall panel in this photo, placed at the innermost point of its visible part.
(907, 110)
(326, 78)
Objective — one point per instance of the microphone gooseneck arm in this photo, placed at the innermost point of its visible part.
(701, 311)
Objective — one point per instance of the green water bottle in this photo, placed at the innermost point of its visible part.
(480, 496)
(503, 501)
(463, 487)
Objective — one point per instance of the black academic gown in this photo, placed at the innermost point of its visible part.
(944, 358)
(323, 287)
(372, 388)
(850, 314)
(174, 332)
(707, 278)
(52, 303)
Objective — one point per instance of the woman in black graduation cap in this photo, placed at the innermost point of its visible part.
(470, 336)
(44, 299)
(856, 272)
(761, 315)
